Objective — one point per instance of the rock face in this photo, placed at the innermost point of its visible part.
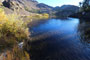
(29, 4)
(20, 6)
(26, 6)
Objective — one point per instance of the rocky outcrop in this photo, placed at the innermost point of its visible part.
(22, 7)
(26, 7)
(29, 4)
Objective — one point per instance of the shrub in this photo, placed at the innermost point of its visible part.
(39, 16)
(16, 54)
(45, 15)
(12, 28)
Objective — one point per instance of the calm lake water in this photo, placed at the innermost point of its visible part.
(60, 39)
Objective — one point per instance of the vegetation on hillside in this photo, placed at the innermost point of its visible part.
(15, 54)
(13, 30)
(39, 16)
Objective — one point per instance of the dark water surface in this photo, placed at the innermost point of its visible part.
(58, 39)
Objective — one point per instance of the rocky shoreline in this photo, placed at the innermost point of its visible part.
(81, 15)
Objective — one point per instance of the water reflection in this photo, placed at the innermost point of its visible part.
(60, 40)
(84, 28)
(64, 26)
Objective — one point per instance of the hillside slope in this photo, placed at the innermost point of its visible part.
(20, 6)
(25, 7)
(45, 8)
(66, 10)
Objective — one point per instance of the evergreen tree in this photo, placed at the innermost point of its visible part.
(85, 5)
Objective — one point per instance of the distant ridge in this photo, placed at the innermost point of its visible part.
(27, 7)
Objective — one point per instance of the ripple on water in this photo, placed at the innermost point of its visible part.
(59, 40)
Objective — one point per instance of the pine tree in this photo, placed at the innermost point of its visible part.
(85, 5)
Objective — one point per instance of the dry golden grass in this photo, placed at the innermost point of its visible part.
(16, 54)
(39, 16)
(12, 31)
(12, 28)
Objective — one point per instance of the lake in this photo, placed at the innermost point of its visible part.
(60, 39)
